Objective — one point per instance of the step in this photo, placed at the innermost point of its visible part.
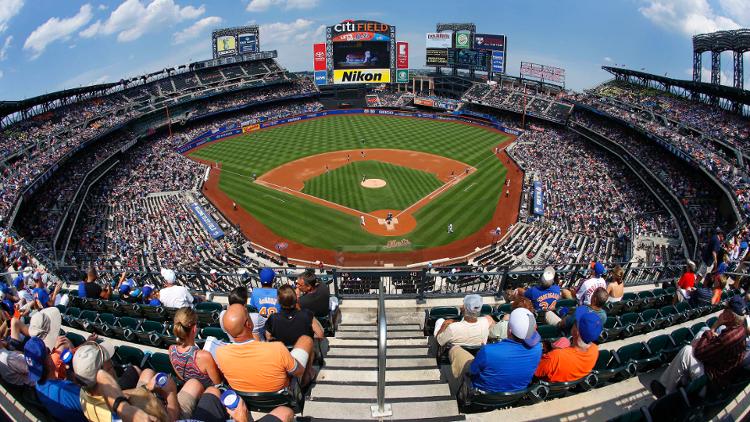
(334, 410)
(365, 352)
(372, 362)
(334, 342)
(370, 391)
(371, 375)
(374, 334)
(373, 327)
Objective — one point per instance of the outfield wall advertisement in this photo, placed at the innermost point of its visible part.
(234, 41)
(207, 222)
(438, 40)
(361, 76)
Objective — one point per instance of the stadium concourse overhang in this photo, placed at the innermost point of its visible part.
(728, 97)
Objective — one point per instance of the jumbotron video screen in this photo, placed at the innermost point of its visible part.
(361, 55)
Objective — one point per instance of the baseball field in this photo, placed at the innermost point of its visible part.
(309, 181)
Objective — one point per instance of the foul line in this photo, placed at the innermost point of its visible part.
(469, 187)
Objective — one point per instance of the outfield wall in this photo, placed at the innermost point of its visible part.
(227, 132)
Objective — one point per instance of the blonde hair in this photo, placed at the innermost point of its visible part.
(184, 321)
(144, 400)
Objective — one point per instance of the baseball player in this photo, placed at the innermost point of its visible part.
(450, 228)
(234, 206)
(507, 193)
(364, 178)
(362, 220)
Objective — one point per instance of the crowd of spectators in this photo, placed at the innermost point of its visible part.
(704, 153)
(509, 95)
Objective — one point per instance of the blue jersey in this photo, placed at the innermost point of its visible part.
(266, 301)
(543, 299)
(41, 294)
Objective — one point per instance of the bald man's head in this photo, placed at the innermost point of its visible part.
(237, 322)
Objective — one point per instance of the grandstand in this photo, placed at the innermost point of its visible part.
(108, 230)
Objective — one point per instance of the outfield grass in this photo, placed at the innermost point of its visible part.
(404, 186)
(468, 206)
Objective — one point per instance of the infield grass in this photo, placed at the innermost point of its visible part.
(404, 186)
(469, 205)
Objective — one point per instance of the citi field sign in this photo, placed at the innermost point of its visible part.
(351, 30)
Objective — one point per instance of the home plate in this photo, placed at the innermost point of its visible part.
(388, 226)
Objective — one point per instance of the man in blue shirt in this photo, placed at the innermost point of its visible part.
(265, 299)
(61, 398)
(546, 295)
(505, 366)
(40, 292)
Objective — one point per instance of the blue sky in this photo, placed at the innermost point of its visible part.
(47, 45)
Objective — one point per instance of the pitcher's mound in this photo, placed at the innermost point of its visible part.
(373, 183)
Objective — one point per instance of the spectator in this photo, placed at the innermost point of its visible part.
(616, 286)
(546, 295)
(272, 364)
(598, 300)
(576, 361)
(265, 299)
(505, 366)
(150, 296)
(312, 294)
(291, 323)
(188, 360)
(89, 288)
(686, 284)
(500, 329)
(586, 287)
(238, 295)
(716, 352)
(13, 367)
(472, 330)
(712, 250)
(173, 296)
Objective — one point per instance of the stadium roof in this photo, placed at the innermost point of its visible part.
(713, 90)
(10, 107)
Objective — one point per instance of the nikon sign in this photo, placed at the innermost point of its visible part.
(361, 76)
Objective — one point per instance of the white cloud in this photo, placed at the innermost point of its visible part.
(608, 59)
(1, 74)
(131, 19)
(263, 5)
(55, 29)
(6, 46)
(281, 32)
(692, 17)
(8, 9)
(196, 29)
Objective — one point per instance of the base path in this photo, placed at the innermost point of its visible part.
(290, 178)
(506, 214)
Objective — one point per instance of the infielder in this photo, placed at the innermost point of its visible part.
(450, 228)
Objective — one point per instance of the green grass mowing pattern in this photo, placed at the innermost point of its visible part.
(468, 205)
(404, 186)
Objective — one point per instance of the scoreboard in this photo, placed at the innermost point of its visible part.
(469, 59)
(234, 41)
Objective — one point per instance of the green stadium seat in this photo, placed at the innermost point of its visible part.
(549, 332)
(160, 362)
(639, 354)
(648, 300)
(132, 310)
(214, 332)
(75, 338)
(151, 333)
(111, 306)
(607, 367)
(486, 310)
(672, 407)
(125, 355)
(432, 315)
(697, 327)
(681, 336)
(649, 321)
(85, 321)
(629, 321)
(62, 308)
(471, 400)
(670, 315)
(711, 321)
(291, 396)
(125, 328)
(103, 324)
(660, 345)
(562, 389)
(154, 313)
(209, 307)
(611, 330)
(565, 303)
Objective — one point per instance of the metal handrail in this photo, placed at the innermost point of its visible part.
(381, 409)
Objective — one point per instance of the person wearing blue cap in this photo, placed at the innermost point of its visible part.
(504, 366)
(265, 298)
(149, 296)
(586, 287)
(574, 362)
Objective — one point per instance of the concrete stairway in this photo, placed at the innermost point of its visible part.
(347, 386)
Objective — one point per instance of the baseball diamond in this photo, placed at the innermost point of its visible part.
(292, 201)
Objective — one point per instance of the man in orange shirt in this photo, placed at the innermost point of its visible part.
(574, 362)
(254, 366)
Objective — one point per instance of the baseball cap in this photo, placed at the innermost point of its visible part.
(27, 272)
(548, 276)
(266, 276)
(522, 324)
(738, 305)
(599, 269)
(147, 291)
(589, 325)
(124, 288)
(89, 359)
(45, 325)
(169, 275)
(35, 352)
(722, 268)
(472, 304)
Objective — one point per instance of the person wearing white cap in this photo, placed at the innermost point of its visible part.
(546, 294)
(173, 296)
(472, 330)
(507, 365)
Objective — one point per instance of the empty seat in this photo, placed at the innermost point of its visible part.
(549, 332)
(214, 332)
(608, 367)
(432, 315)
(125, 355)
(639, 355)
(611, 330)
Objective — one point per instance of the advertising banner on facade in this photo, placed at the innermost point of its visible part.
(402, 76)
(438, 40)
(319, 56)
(402, 55)
(498, 61)
(437, 57)
(463, 39)
(321, 77)
(248, 43)
(489, 42)
(538, 198)
(207, 222)
(361, 76)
